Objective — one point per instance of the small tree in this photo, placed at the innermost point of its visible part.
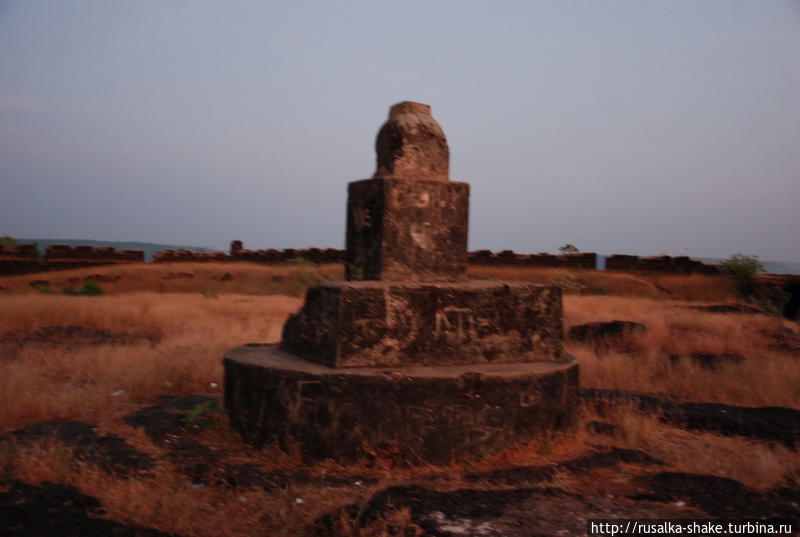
(569, 249)
(5, 240)
(741, 269)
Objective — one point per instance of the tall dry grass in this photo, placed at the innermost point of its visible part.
(764, 378)
(208, 278)
(43, 382)
(251, 278)
(690, 287)
(756, 464)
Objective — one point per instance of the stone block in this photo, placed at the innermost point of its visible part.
(407, 230)
(358, 324)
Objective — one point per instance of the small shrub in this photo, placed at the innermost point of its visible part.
(88, 289)
(741, 269)
(203, 415)
(91, 289)
(569, 249)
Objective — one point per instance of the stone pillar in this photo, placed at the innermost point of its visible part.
(413, 362)
(409, 222)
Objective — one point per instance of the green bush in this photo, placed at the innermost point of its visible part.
(741, 269)
(89, 288)
(204, 415)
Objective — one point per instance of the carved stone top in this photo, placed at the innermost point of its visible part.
(411, 145)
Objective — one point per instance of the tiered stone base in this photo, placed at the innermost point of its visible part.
(405, 324)
(413, 415)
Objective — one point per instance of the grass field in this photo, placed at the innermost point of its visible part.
(187, 315)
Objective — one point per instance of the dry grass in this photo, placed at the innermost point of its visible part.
(208, 278)
(758, 465)
(48, 383)
(166, 500)
(198, 318)
(250, 278)
(764, 378)
(694, 287)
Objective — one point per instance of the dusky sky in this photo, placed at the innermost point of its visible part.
(621, 126)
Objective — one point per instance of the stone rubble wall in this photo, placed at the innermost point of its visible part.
(664, 263)
(19, 259)
(511, 258)
(271, 256)
(177, 256)
(588, 261)
(23, 258)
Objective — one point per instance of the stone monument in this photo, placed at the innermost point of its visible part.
(407, 358)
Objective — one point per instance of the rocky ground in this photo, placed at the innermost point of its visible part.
(548, 499)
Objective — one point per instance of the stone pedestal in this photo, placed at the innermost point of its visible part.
(435, 415)
(358, 324)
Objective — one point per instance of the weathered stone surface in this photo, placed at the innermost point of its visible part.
(417, 414)
(406, 230)
(358, 324)
(412, 145)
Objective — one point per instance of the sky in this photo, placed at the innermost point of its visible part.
(620, 126)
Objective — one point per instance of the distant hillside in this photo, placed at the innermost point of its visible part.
(149, 248)
(781, 267)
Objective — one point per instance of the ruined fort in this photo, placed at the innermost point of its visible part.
(24, 258)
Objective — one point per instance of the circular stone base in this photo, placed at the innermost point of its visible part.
(434, 415)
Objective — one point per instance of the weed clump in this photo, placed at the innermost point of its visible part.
(204, 415)
(89, 289)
